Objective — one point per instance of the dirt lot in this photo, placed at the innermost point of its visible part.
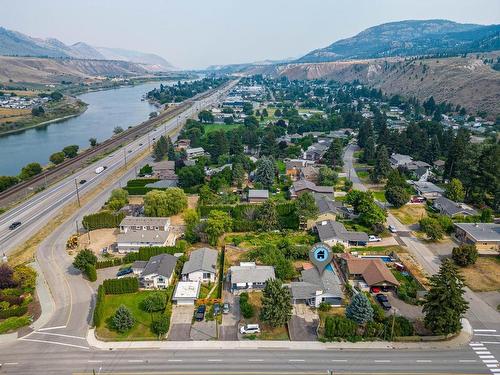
(99, 239)
(134, 199)
(232, 256)
(484, 276)
(177, 219)
(410, 213)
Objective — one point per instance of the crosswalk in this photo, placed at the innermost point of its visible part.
(484, 354)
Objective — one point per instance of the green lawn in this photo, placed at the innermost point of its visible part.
(13, 323)
(379, 249)
(351, 225)
(254, 240)
(357, 154)
(141, 329)
(209, 128)
(281, 166)
(379, 195)
(363, 175)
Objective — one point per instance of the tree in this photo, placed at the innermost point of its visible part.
(123, 320)
(238, 175)
(191, 176)
(327, 176)
(306, 207)
(276, 304)
(160, 325)
(192, 221)
(268, 216)
(93, 142)
(464, 255)
(71, 151)
(38, 111)
(455, 190)
(444, 304)
(57, 157)
(265, 172)
(432, 228)
(397, 196)
(154, 303)
(359, 310)
(146, 170)
(370, 214)
(160, 148)
(158, 203)
(217, 224)
(206, 116)
(30, 170)
(84, 257)
(6, 276)
(382, 165)
(7, 181)
(118, 130)
(56, 95)
(118, 199)
(251, 121)
(91, 272)
(369, 151)
(333, 156)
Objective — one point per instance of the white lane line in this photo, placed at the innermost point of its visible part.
(56, 343)
(494, 370)
(174, 360)
(11, 363)
(296, 360)
(486, 357)
(339, 360)
(255, 360)
(61, 335)
(214, 360)
(94, 361)
(490, 361)
(485, 330)
(49, 328)
(424, 360)
(491, 342)
(475, 344)
(491, 365)
(467, 361)
(478, 348)
(382, 361)
(485, 352)
(486, 335)
(135, 361)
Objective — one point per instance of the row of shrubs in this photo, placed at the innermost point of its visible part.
(138, 186)
(121, 286)
(111, 262)
(99, 306)
(103, 219)
(145, 253)
(13, 311)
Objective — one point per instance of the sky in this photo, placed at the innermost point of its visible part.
(194, 34)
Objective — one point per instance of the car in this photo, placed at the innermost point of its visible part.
(124, 272)
(392, 229)
(372, 238)
(140, 144)
(384, 301)
(129, 151)
(14, 225)
(225, 308)
(82, 182)
(417, 200)
(200, 313)
(217, 309)
(375, 289)
(249, 329)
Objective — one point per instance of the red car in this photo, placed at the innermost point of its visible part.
(417, 200)
(375, 289)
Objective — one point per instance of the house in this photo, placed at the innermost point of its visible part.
(133, 240)
(371, 271)
(303, 186)
(439, 164)
(186, 292)
(314, 289)
(257, 196)
(135, 223)
(450, 208)
(328, 209)
(293, 167)
(310, 173)
(157, 272)
(420, 169)
(427, 189)
(332, 232)
(196, 152)
(249, 276)
(201, 266)
(397, 160)
(486, 236)
(183, 144)
(165, 170)
(316, 151)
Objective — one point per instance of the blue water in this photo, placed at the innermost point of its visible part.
(329, 267)
(384, 259)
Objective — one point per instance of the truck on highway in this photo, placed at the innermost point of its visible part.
(99, 170)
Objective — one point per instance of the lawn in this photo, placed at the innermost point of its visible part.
(410, 213)
(357, 154)
(379, 250)
(484, 276)
(267, 332)
(340, 183)
(351, 225)
(209, 128)
(254, 240)
(363, 175)
(379, 195)
(141, 329)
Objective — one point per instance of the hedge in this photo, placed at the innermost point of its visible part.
(145, 253)
(13, 311)
(109, 263)
(138, 187)
(121, 286)
(99, 306)
(103, 219)
(91, 272)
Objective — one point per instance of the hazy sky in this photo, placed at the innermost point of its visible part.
(198, 33)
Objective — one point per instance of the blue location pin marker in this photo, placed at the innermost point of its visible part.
(320, 255)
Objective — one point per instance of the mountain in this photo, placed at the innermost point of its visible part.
(13, 43)
(410, 38)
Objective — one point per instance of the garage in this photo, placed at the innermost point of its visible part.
(186, 292)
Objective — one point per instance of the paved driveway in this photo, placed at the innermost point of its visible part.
(228, 330)
(303, 324)
(180, 323)
(203, 331)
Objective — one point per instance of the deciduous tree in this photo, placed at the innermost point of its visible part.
(158, 203)
(464, 255)
(276, 304)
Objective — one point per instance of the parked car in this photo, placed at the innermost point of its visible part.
(375, 289)
(392, 229)
(249, 329)
(14, 225)
(124, 272)
(384, 301)
(82, 182)
(200, 313)
(417, 200)
(217, 309)
(225, 308)
(372, 238)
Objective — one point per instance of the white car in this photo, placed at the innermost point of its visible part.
(249, 329)
(372, 238)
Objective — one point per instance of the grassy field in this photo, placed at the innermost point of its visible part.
(379, 195)
(141, 329)
(379, 250)
(357, 154)
(253, 240)
(410, 213)
(267, 332)
(209, 128)
(484, 276)
(363, 175)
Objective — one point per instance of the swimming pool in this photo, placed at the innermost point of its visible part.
(384, 258)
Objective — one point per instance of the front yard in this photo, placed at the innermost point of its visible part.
(484, 276)
(410, 213)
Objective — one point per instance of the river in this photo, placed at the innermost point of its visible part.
(106, 110)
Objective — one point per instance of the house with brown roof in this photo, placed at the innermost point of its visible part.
(310, 173)
(303, 186)
(371, 271)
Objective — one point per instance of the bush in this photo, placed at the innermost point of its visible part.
(160, 326)
(339, 327)
(83, 258)
(121, 286)
(109, 263)
(99, 306)
(323, 306)
(464, 255)
(123, 320)
(103, 219)
(91, 272)
(402, 327)
(13, 311)
(246, 308)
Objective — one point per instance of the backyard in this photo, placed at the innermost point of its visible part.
(484, 275)
(209, 128)
(410, 213)
(254, 240)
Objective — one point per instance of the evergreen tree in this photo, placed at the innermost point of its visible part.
(359, 310)
(454, 166)
(382, 165)
(268, 216)
(444, 304)
(268, 146)
(306, 207)
(122, 320)
(333, 156)
(455, 190)
(265, 172)
(276, 304)
(170, 149)
(369, 151)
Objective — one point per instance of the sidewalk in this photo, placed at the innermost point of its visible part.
(461, 340)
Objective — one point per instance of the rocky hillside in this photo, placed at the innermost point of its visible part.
(465, 81)
(411, 38)
(46, 70)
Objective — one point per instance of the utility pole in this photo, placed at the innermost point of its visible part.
(393, 321)
(76, 223)
(77, 194)
(149, 142)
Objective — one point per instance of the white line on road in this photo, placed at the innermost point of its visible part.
(485, 330)
(255, 360)
(424, 360)
(382, 361)
(174, 360)
(296, 360)
(487, 334)
(491, 342)
(478, 348)
(49, 328)
(62, 335)
(135, 360)
(339, 360)
(214, 360)
(495, 370)
(11, 363)
(94, 361)
(56, 343)
(475, 344)
(485, 352)
(486, 357)
(467, 361)
(490, 361)
(491, 365)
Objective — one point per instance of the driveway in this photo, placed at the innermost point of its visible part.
(203, 331)
(403, 308)
(180, 323)
(303, 323)
(228, 330)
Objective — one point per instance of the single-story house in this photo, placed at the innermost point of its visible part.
(157, 272)
(450, 208)
(332, 232)
(486, 236)
(136, 223)
(371, 271)
(186, 292)
(427, 189)
(328, 209)
(183, 144)
(201, 266)
(310, 173)
(293, 167)
(133, 240)
(196, 152)
(314, 289)
(165, 170)
(397, 160)
(303, 186)
(257, 196)
(249, 276)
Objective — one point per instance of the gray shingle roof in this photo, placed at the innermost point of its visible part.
(451, 208)
(308, 185)
(256, 193)
(330, 229)
(143, 236)
(326, 204)
(481, 231)
(251, 274)
(163, 264)
(203, 259)
(328, 283)
(145, 221)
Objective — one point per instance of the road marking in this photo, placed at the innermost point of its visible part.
(296, 360)
(339, 360)
(491, 365)
(135, 360)
(50, 328)
(94, 361)
(487, 334)
(485, 330)
(215, 360)
(486, 357)
(255, 360)
(485, 352)
(56, 343)
(495, 369)
(62, 335)
(174, 360)
(467, 361)
(479, 348)
(476, 344)
(490, 361)
(382, 361)
(424, 360)
(491, 342)
(11, 363)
